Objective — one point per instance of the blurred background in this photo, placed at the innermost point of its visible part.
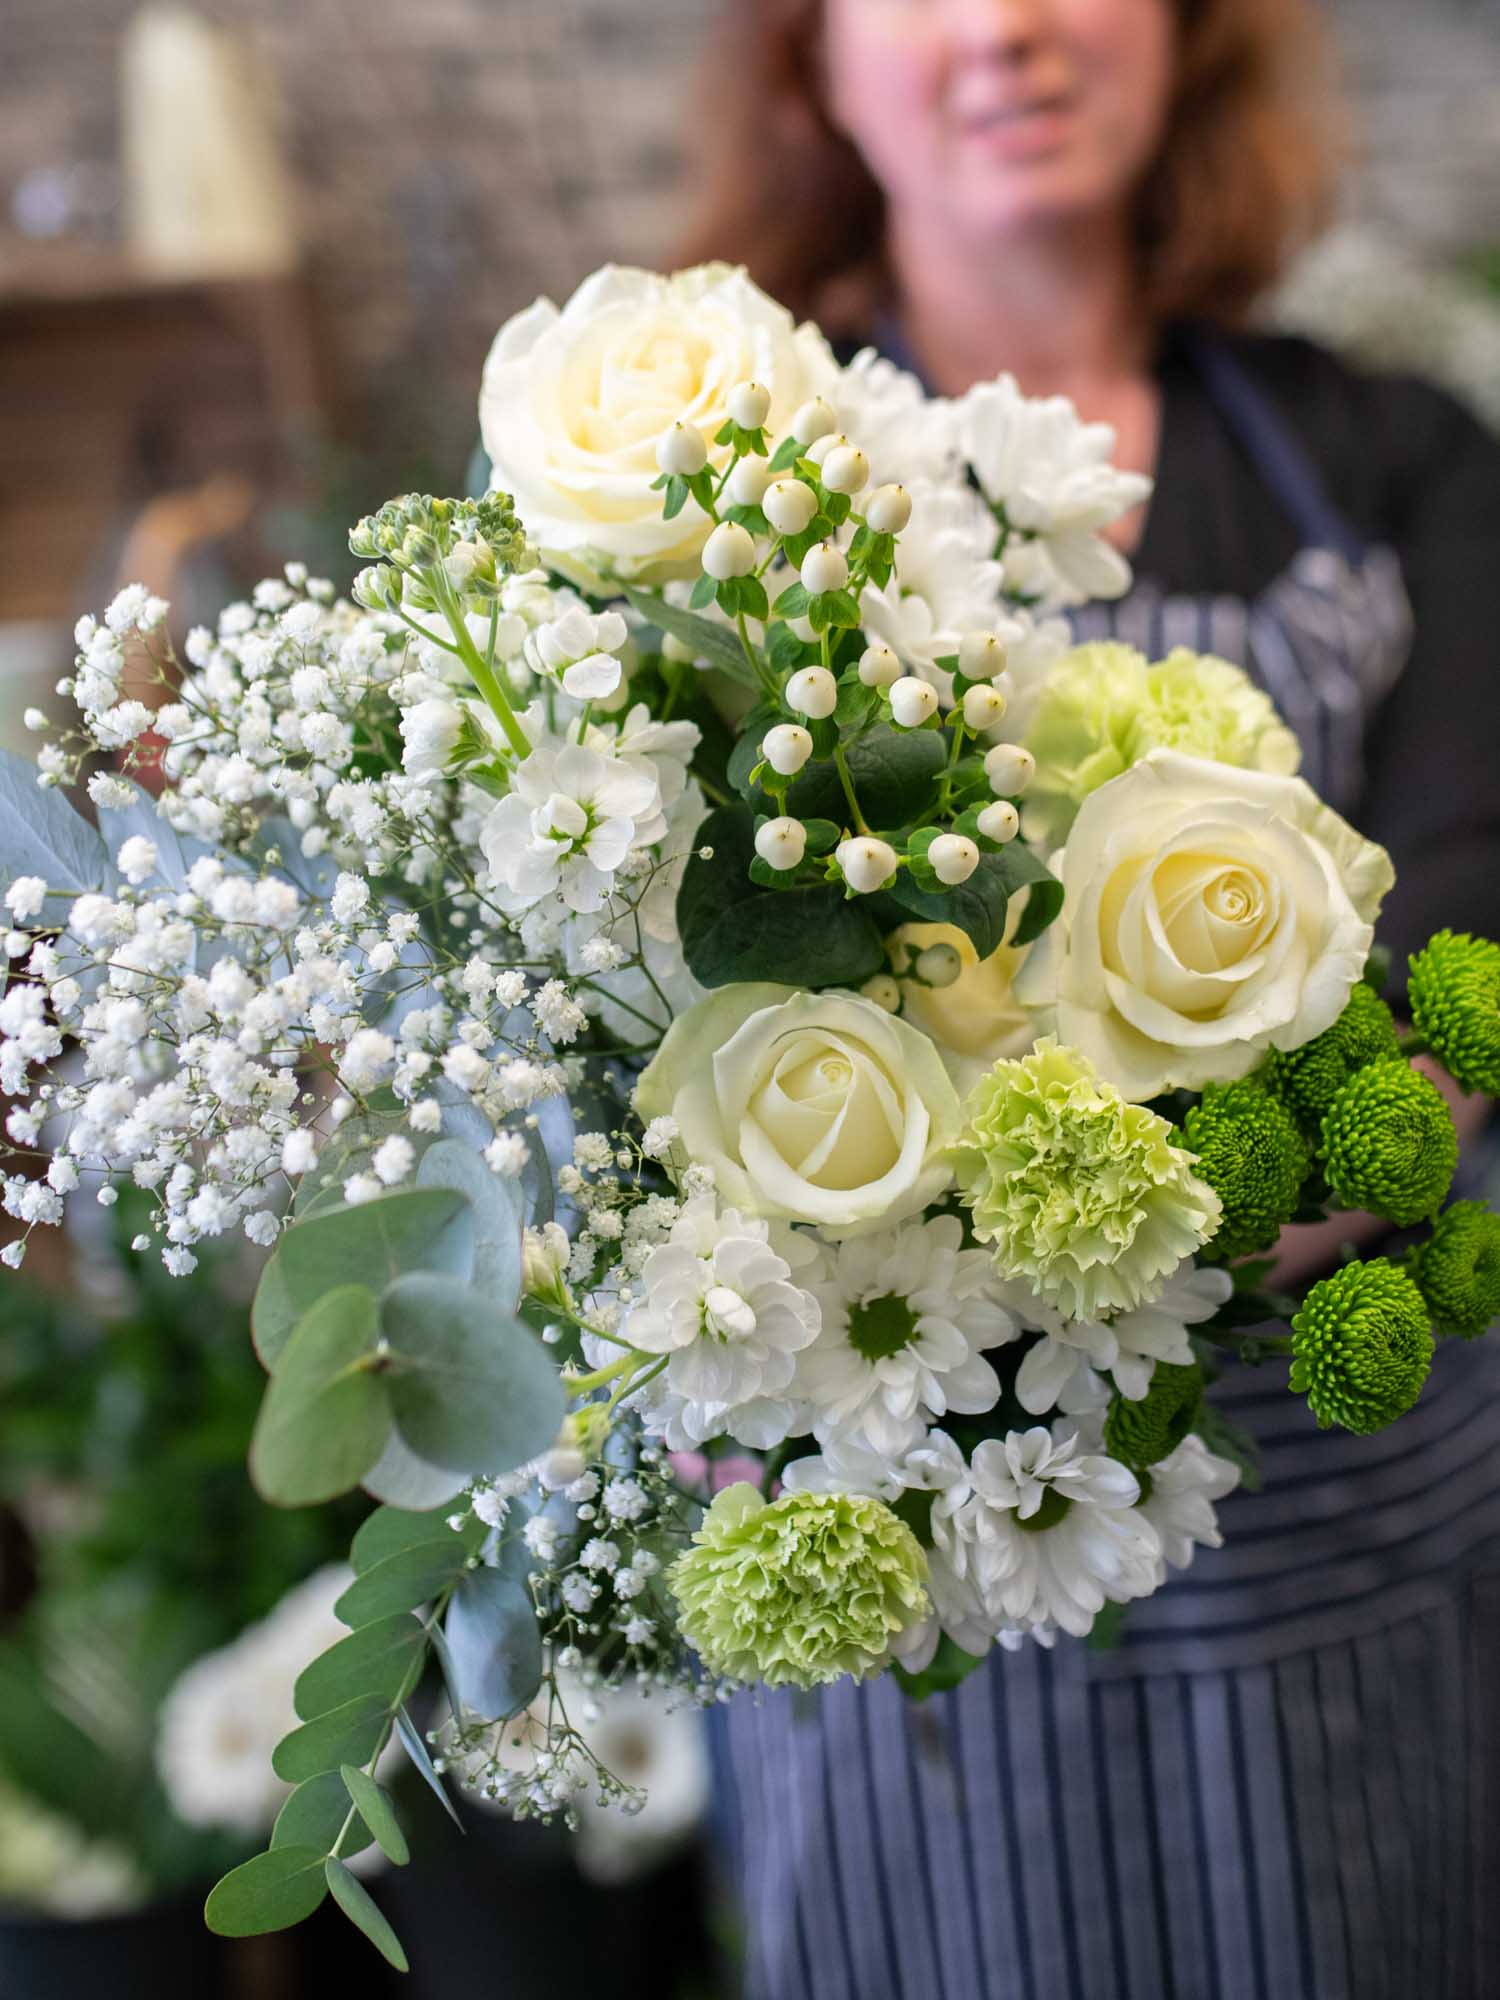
(251, 257)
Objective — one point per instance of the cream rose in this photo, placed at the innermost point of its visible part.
(814, 1107)
(976, 1019)
(573, 403)
(1209, 914)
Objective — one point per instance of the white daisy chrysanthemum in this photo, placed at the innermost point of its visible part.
(886, 411)
(1063, 1370)
(1179, 1500)
(905, 1319)
(946, 582)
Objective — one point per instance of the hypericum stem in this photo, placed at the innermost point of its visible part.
(483, 674)
(757, 665)
(842, 766)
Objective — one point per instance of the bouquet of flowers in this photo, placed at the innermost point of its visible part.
(765, 1076)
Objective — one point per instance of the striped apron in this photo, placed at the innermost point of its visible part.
(1282, 1783)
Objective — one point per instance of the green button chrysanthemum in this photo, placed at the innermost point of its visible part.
(1389, 1143)
(1143, 1434)
(799, 1592)
(1457, 1269)
(1082, 1194)
(1361, 1346)
(1253, 1156)
(1310, 1078)
(1455, 1006)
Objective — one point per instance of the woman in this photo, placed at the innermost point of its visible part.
(1277, 1785)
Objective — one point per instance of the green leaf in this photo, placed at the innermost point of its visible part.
(402, 1581)
(379, 1815)
(426, 1228)
(787, 453)
(793, 601)
(347, 1734)
(856, 702)
(894, 773)
(401, 1479)
(711, 642)
(377, 1659)
(360, 1907)
(315, 1816)
(732, 930)
(40, 834)
(269, 1892)
(389, 1528)
(470, 1386)
(494, 1642)
(411, 1742)
(495, 1208)
(349, 1150)
(978, 906)
(325, 1414)
(1023, 870)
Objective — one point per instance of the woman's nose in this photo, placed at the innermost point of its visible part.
(1002, 26)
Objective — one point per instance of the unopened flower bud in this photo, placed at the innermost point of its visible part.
(812, 691)
(938, 965)
(786, 748)
(729, 551)
(824, 568)
(983, 706)
(846, 469)
(1010, 769)
(748, 482)
(789, 504)
(884, 991)
(866, 863)
(817, 452)
(912, 701)
(888, 509)
(812, 421)
(781, 843)
(34, 719)
(681, 450)
(980, 656)
(879, 667)
(749, 405)
(952, 858)
(1000, 821)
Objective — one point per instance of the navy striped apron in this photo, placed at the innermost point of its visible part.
(1284, 1782)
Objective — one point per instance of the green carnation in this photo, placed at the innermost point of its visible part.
(801, 1591)
(1252, 1155)
(1082, 1194)
(1389, 1143)
(1361, 1346)
(1457, 1269)
(1143, 1434)
(1208, 707)
(1455, 1007)
(1310, 1078)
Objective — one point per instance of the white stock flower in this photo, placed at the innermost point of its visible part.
(1061, 1371)
(430, 732)
(1052, 475)
(567, 823)
(945, 583)
(906, 1316)
(574, 402)
(580, 648)
(815, 1107)
(719, 1301)
(1209, 914)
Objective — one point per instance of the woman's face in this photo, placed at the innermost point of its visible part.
(996, 117)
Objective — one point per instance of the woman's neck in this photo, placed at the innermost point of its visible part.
(1061, 311)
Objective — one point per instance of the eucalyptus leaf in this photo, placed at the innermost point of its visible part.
(269, 1892)
(347, 1734)
(470, 1386)
(390, 1529)
(495, 1209)
(402, 1581)
(360, 1907)
(494, 1642)
(40, 834)
(375, 1808)
(376, 1659)
(316, 1815)
(175, 852)
(313, 874)
(717, 644)
(401, 1479)
(325, 1413)
(411, 1742)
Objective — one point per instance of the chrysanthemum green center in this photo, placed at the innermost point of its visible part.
(881, 1327)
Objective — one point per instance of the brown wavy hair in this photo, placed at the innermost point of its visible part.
(1244, 175)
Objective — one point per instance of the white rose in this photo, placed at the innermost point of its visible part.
(573, 404)
(813, 1107)
(1209, 914)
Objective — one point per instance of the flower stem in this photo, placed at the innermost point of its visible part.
(483, 674)
(842, 765)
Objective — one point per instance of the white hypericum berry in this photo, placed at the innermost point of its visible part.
(781, 843)
(749, 405)
(729, 551)
(1000, 821)
(888, 509)
(938, 965)
(866, 863)
(812, 421)
(748, 482)
(1010, 769)
(884, 991)
(824, 568)
(980, 656)
(983, 706)
(846, 469)
(789, 504)
(786, 748)
(812, 691)
(952, 858)
(681, 450)
(879, 667)
(912, 701)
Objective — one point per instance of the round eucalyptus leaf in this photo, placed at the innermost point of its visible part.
(495, 1205)
(269, 1892)
(325, 1415)
(494, 1643)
